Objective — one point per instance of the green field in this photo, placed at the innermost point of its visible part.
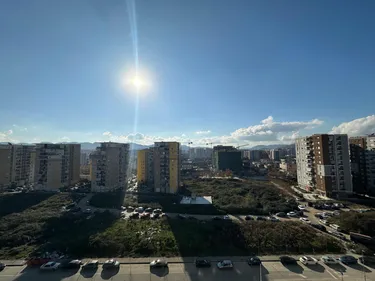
(43, 227)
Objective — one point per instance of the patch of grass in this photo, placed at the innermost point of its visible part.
(363, 223)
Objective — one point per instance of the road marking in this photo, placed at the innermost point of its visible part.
(330, 273)
(303, 276)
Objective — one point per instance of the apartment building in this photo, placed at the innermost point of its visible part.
(288, 167)
(370, 163)
(200, 153)
(166, 165)
(5, 165)
(16, 164)
(226, 158)
(362, 158)
(323, 164)
(57, 165)
(274, 155)
(145, 166)
(109, 164)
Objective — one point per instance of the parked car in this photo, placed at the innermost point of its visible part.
(87, 211)
(281, 215)
(202, 263)
(216, 218)
(70, 264)
(287, 260)
(181, 216)
(225, 264)
(158, 263)
(306, 260)
(348, 259)
(134, 215)
(148, 210)
(248, 218)
(274, 219)
(337, 234)
(154, 216)
(111, 264)
(319, 226)
(144, 215)
(51, 265)
(323, 221)
(367, 260)
(301, 207)
(2, 266)
(335, 227)
(158, 211)
(305, 220)
(260, 218)
(292, 214)
(329, 260)
(93, 264)
(226, 217)
(254, 261)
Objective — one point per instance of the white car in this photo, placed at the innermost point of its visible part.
(305, 220)
(306, 260)
(301, 207)
(323, 221)
(225, 264)
(51, 265)
(226, 217)
(291, 214)
(329, 260)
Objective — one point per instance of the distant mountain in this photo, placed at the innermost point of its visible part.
(272, 146)
(94, 145)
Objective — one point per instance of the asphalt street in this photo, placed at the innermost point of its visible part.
(188, 272)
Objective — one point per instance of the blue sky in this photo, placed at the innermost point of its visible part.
(217, 71)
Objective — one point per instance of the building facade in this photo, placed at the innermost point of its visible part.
(166, 165)
(358, 147)
(323, 164)
(145, 166)
(274, 155)
(108, 167)
(370, 163)
(200, 153)
(57, 165)
(226, 158)
(16, 164)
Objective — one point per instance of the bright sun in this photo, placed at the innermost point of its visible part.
(137, 82)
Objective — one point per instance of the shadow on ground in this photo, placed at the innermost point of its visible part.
(296, 268)
(337, 267)
(88, 273)
(34, 273)
(359, 267)
(316, 267)
(109, 273)
(160, 272)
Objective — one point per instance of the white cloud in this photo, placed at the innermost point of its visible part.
(107, 134)
(64, 139)
(6, 136)
(203, 132)
(356, 127)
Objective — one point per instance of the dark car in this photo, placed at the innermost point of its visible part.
(319, 226)
(216, 218)
(348, 260)
(158, 263)
(2, 266)
(248, 218)
(254, 261)
(287, 260)
(181, 216)
(70, 264)
(202, 263)
(111, 264)
(260, 219)
(281, 214)
(367, 259)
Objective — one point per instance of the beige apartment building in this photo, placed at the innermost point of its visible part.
(16, 166)
(323, 164)
(57, 165)
(145, 166)
(166, 157)
(108, 167)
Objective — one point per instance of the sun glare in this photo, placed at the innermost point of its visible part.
(137, 82)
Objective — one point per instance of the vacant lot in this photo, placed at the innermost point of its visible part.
(363, 223)
(242, 197)
(229, 196)
(43, 227)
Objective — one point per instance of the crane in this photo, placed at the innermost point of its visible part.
(237, 147)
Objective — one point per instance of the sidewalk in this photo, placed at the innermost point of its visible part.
(171, 260)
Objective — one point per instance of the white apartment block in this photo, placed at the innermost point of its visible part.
(56, 165)
(200, 153)
(16, 164)
(109, 164)
(304, 162)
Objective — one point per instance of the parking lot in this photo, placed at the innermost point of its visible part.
(188, 271)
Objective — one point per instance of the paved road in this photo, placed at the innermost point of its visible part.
(188, 272)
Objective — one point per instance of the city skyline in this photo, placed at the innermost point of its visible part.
(248, 73)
